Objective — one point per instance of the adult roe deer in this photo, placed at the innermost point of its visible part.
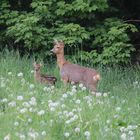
(70, 72)
(45, 79)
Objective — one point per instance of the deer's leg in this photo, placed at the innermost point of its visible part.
(65, 82)
(92, 87)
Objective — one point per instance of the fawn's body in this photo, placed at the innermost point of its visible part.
(45, 79)
(74, 73)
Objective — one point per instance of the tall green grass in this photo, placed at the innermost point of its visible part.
(47, 113)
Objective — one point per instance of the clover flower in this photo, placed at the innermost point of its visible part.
(20, 74)
(12, 104)
(23, 110)
(66, 134)
(41, 112)
(20, 98)
(43, 133)
(87, 134)
(31, 86)
(77, 129)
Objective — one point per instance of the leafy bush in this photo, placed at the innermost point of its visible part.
(105, 40)
(111, 44)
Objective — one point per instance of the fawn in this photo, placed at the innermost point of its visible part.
(45, 79)
(70, 72)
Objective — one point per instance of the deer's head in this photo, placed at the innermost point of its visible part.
(58, 47)
(37, 66)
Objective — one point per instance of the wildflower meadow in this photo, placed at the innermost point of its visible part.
(33, 111)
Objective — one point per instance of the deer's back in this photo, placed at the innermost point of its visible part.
(77, 73)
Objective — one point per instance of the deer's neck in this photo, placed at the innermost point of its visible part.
(60, 60)
(37, 75)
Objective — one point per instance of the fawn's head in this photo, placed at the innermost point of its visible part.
(37, 66)
(58, 47)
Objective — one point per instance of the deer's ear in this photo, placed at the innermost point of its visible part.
(55, 41)
(62, 43)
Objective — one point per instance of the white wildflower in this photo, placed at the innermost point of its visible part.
(50, 101)
(132, 138)
(130, 133)
(7, 137)
(108, 121)
(63, 105)
(68, 122)
(81, 85)
(71, 93)
(12, 104)
(31, 110)
(122, 129)
(4, 100)
(87, 133)
(74, 87)
(75, 117)
(98, 94)
(41, 112)
(73, 90)
(118, 109)
(74, 110)
(9, 73)
(22, 137)
(31, 86)
(77, 101)
(23, 110)
(33, 101)
(79, 109)
(72, 83)
(29, 120)
(123, 136)
(65, 95)
(20, 74)
(70, 114)
(2, 84)
(131, 127)
(83, 88)
(20, 97)
(32, 71)
(33, 134)
(52, 109)
(94, 93)
(45, 88)
(22, 81)
(43, 133)
(116, 116)
(52, 87)
(105, 94)
(26, 104)
(77, 130)
(16, 123)
(66, 134)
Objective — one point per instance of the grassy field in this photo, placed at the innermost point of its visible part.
(31, 111)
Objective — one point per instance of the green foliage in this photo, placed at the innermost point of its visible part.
(74, 22)
(111, 44)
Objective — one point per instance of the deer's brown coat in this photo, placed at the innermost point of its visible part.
(70, 72)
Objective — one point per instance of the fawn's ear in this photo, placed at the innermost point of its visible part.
(40, 64)
(34, 63)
